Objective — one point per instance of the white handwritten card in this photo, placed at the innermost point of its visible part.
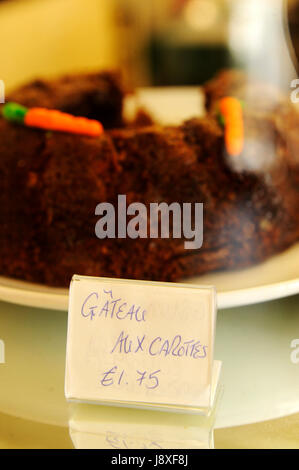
(140, 343)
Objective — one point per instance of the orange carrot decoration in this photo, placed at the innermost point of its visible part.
(231, 111)
(51, 120)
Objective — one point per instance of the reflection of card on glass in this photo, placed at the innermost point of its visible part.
(141, 344)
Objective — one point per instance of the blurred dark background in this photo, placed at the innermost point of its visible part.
(155, 42)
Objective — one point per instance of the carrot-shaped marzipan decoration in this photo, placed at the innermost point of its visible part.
(232, 117)
(51, 120)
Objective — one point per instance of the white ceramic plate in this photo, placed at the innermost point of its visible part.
(276, 278)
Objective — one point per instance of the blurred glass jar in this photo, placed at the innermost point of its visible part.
(185, 42)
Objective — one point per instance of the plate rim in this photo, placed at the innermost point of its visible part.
(56, 298)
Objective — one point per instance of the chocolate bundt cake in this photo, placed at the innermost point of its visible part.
(51, 183)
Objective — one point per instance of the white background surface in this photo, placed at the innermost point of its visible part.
(260, 381)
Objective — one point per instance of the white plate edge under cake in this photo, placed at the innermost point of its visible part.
(275, 278)
(33, 295)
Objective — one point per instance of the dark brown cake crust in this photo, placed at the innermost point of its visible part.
(52, 182)
(93, 95)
